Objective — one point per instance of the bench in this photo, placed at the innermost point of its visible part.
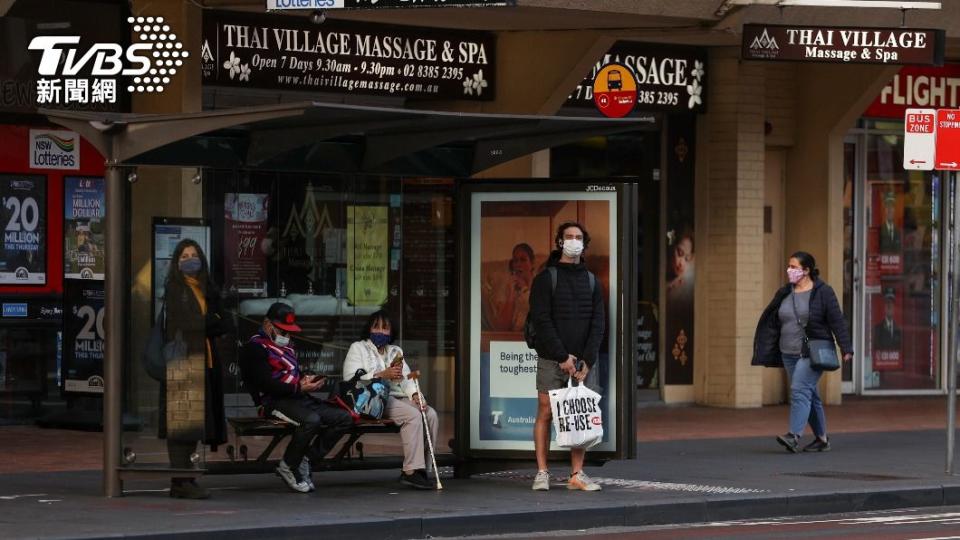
(348, 457)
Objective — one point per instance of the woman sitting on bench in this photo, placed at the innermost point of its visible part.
(376, 355)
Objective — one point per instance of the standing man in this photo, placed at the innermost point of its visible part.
(566, 307)
(269, 366)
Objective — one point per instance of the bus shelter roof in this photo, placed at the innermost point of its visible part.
(318, 136)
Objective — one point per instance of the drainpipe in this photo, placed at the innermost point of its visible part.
(114, 302)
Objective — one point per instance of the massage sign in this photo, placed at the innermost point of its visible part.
(890, 46)
(287, 53)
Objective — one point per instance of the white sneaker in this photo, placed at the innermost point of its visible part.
(305, 473)
(541, 482)
(289, 476)
(582, 482)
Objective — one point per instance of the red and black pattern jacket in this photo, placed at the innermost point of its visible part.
(268, 370)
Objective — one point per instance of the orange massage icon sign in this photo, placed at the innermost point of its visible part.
(615, 90)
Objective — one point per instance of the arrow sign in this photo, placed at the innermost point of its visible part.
(948, 140)
(919, 139)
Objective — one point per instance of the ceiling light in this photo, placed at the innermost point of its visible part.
(890, 4)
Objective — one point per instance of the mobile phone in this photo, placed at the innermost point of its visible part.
(398, 361)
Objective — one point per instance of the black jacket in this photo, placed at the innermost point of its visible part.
(826, 322)
(569, 320)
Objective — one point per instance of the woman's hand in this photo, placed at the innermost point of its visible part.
(848, 357)
(419, 401)
(392, 372)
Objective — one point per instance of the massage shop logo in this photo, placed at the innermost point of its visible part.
(70, 74)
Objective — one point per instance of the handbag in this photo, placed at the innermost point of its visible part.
(363, 399)
(157, 353)
(821, 352)
(577, 417)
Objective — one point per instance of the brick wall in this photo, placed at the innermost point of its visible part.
(734, 232)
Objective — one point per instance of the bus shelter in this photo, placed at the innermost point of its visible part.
(340, 210)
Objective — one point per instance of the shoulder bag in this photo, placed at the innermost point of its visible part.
(821, 352)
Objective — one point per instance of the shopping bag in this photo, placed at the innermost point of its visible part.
(577, 420)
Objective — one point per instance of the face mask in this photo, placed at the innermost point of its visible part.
(380, 340)
(572, 248)
(794, 275)
(191, 266)
(280, 340)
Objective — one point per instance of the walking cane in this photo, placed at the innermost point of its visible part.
(415, 376)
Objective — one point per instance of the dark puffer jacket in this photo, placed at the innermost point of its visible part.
(569, 320)
(826, 322)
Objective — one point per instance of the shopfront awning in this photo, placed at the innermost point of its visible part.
(311, 136)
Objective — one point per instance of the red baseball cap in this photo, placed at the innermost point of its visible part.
(283, 317)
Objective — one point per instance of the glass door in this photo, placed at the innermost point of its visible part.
(899, 334)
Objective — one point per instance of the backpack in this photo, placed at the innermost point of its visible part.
(363, 399)
(529, 330)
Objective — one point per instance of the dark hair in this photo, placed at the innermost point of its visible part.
(175, 276)
(383, 317)
(524, 247)
(558, 241)
(807, 261)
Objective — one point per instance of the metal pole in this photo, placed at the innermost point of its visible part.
(950, 210)
(113, 358)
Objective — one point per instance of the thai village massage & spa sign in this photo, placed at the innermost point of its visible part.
(842, 44)
(287, 53)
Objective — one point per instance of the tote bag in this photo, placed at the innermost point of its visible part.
(577, 419)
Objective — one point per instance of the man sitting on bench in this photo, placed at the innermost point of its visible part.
(269, 365)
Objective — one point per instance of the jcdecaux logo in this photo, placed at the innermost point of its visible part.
(70, 74)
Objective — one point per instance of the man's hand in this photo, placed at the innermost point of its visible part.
(393, 372)
(582, 374)
(311, 383)
(569, 365)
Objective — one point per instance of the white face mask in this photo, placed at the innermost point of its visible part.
(281, 341)
(572, 248)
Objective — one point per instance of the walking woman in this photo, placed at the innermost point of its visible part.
(805, 305)
(192, 304)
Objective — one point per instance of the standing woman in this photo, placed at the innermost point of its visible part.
(192, 304)
(804, 305)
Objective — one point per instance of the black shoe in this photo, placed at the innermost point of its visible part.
(789, 441)
(188, 489)
(818, 445)
(418, 479)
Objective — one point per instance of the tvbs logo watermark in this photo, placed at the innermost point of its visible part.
(151, 61)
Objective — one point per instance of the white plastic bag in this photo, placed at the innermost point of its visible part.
(577, 419)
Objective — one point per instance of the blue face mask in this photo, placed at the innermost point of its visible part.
(380, 340)
(191, 266)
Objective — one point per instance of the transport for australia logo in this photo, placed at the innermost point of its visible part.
(72, 74)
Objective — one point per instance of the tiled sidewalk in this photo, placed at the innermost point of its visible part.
(28, 448)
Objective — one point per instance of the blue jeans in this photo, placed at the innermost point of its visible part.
(805, 404)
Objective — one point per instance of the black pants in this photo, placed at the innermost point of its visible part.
(317, 419)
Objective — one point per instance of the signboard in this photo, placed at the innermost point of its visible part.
(512, 237)
(84, 211)
(276, 5)
(668, 78)
(287, 53)
(367, 246)
(833, 44)
(918, 87)
(615, 91)
(83, 336)
(244, 232)
(23, 218)
(54, 149)
(948, 140)
(919, 139)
